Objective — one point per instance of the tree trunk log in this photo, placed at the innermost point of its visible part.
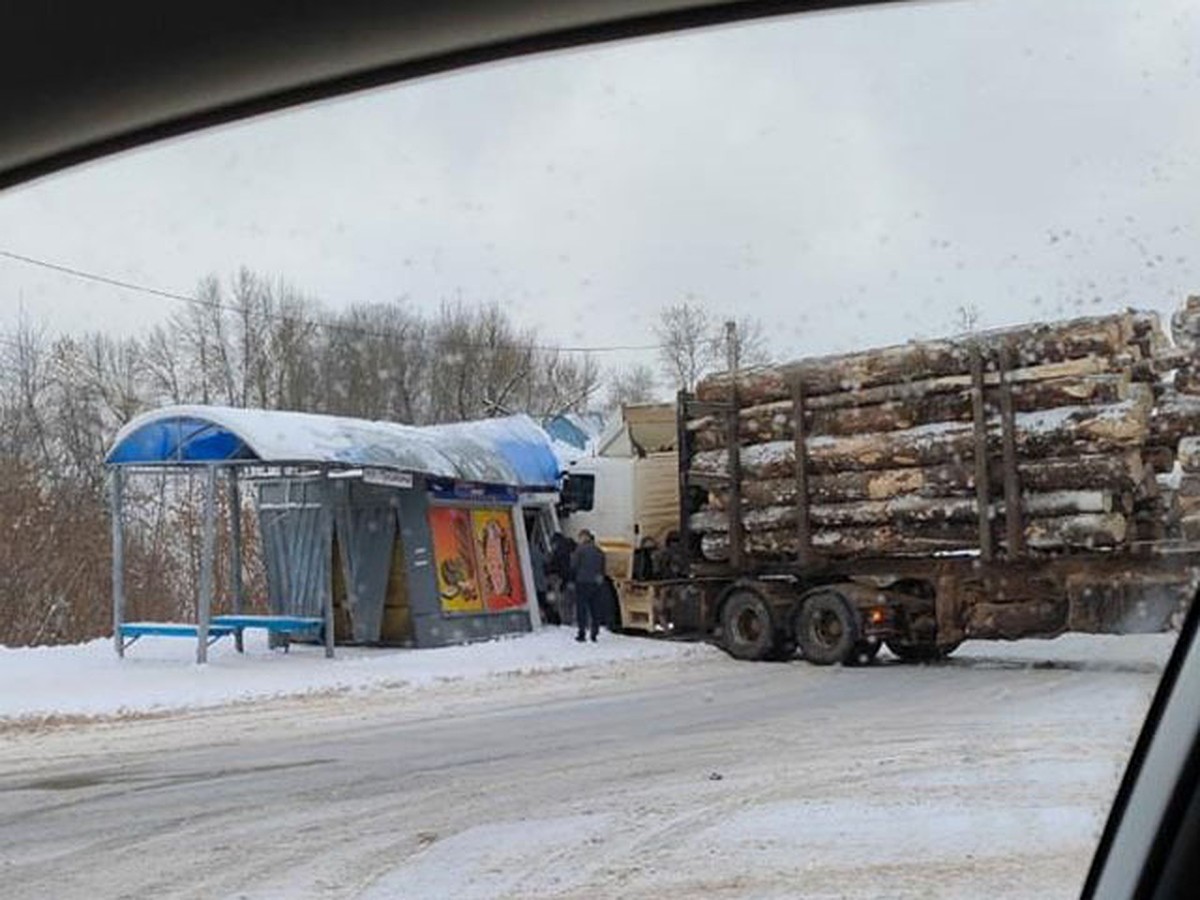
(1188, 454)
(1089, 531)
(1110, 338)
(1175, 416)
(1185, 325)
(774, 421)
(910, 510)
(1116, 473)
(1058, 432)
(1187, 380)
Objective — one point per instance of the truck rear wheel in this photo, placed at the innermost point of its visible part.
(827, 630)
(918, 653)
(747, 628)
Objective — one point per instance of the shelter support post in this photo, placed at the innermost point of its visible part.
(523, 554)
(116, 500)
(208, 554)
(327, 583)
(235, 552)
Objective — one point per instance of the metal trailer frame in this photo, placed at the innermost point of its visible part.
(1014, 573)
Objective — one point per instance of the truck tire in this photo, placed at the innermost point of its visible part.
(747, 627)
(827, 630)
(921, 653)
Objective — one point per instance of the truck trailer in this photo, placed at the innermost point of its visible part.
(1011, 484)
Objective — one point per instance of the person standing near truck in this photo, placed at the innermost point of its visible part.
(587, 571)
(537, 561)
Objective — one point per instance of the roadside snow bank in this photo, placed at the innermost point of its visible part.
(159, 675)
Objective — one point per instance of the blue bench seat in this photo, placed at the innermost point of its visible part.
(271, 623)
(130, 632)
(171, 629)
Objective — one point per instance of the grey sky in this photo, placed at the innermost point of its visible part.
(850, 178)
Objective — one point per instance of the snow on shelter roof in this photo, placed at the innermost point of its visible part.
(508, 451)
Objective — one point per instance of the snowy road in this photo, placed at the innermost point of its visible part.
(680, 777)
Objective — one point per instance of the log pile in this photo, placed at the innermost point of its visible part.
(1095, 408)
(1183, 492)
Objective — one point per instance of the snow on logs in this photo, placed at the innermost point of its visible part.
(1079, 346)
(890, 440)
(1046, 433)
(1086, 531)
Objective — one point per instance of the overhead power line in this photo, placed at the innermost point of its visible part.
(216, 305)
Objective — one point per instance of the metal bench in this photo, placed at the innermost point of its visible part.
(131, 631)
(286, 626)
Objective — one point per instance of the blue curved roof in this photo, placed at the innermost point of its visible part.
(510, 451)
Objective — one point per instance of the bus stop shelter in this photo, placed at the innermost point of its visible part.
(427, 474)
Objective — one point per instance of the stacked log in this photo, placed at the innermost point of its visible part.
(1039, 435)
(1064, 349)
(1185, 495)
(1082, 532)
(1174, 424)
(890, 442)
(1185, 330)
(1119, 474)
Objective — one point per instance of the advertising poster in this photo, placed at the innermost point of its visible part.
(499, 562)
(454, 556)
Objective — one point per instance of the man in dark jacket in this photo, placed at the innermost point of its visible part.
(587, 571)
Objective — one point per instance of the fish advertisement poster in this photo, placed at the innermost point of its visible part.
(477, 561)
(454, 555)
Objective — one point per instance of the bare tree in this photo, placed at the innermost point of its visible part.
(249, 341)
(27, 383)
(751, 342)
(375, 363)
(686, 350)
(635, 384)
(165, 366)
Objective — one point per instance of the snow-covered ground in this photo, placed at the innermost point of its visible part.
(159, 674)
(536, 768)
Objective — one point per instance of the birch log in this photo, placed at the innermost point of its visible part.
(1116, 473)
(775, 421)
(1174, 416)
(1113, 338)
(1187, 380)
(1188, 454)
(1185, 325)
(767, 384)
(1050, 433)
(1088, 531)
(911, 510)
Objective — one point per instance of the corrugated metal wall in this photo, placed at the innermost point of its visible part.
(365, 519)
(297, 536)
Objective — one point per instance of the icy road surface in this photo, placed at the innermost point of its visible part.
(636, 775)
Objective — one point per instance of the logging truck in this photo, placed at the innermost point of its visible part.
(1009, 484)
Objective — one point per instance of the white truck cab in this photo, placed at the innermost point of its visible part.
(627, 490)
